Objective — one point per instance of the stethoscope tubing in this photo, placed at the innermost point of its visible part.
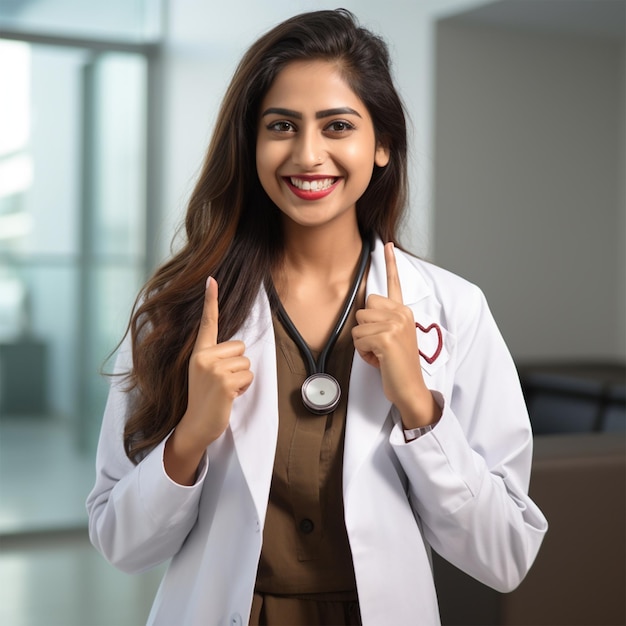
(318, 368)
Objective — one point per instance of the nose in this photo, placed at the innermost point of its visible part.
(308, 149)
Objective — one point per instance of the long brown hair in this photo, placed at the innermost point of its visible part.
(233, 229)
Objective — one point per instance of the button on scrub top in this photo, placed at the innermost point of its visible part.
(305, 573)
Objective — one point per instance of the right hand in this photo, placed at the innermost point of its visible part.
(218, 373)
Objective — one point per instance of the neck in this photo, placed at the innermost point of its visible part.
(317, 261)
(314, 280)
(324, 253)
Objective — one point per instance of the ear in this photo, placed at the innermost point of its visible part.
(381, 156)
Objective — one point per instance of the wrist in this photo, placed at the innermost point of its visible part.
(181, 458)
(421, 412)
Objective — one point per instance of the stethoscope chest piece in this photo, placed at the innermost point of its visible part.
(321, 393)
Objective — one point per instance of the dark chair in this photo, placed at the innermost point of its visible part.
(575, 397)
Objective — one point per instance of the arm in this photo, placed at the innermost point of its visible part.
(469, 476)
(138, 516)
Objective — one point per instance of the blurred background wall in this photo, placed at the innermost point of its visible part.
(530, 173)
(517, 179)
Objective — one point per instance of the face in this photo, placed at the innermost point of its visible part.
(316, 146)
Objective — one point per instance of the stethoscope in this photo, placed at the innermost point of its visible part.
(321, 392)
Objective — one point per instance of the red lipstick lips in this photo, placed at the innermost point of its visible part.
(311, 187)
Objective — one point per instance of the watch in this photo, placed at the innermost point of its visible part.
(414, 433)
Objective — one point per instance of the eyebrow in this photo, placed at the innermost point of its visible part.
(319, 115)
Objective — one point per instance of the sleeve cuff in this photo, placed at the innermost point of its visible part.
(166, 501)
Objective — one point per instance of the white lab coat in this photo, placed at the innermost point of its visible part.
(462, 488)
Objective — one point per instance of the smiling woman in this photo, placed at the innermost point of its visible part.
(316, 141)
(265, 487)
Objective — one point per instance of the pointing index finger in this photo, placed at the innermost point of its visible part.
(394, 290)
(207, 334)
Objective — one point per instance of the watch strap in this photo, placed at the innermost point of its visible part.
(414, 433)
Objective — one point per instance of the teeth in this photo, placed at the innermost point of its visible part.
(312, 185)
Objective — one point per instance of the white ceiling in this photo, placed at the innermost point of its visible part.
(595, 18)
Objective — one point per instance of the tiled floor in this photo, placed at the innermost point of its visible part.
(50, 575)
(60, 580)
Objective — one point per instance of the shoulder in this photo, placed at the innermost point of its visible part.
(458, 304)
(445, 285)
(451, 298)
(459, 307)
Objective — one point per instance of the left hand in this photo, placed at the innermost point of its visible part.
(385, 338)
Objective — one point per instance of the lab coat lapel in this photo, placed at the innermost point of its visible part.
(368, 407)
(254, 417)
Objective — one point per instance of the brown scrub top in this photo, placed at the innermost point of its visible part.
(305, 573)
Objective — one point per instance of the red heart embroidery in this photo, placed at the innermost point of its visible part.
(433, 357)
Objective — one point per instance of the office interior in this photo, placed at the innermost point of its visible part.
(518, 183)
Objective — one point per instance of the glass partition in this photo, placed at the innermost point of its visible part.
(72, 256)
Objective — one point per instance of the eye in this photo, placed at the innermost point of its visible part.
(339, 127)
(281, 126)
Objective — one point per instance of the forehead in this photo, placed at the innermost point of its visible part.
(311, 85)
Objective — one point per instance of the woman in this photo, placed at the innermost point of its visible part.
(282, 494)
